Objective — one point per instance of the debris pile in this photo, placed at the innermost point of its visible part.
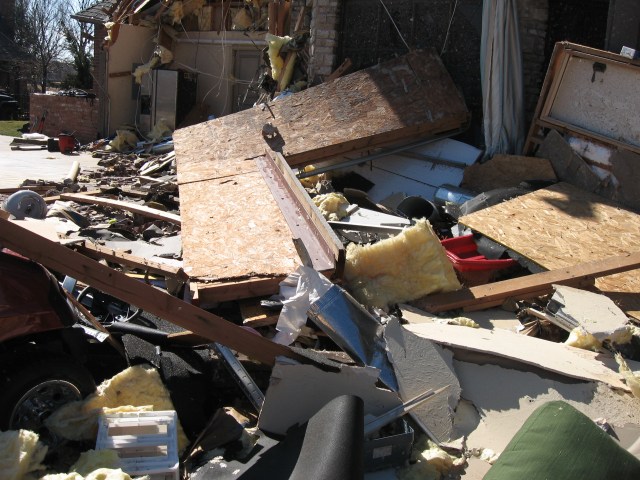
(399, 305)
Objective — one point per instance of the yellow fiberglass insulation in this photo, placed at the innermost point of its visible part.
(275, 43)
(631, 378)
(399, 269)
(333, 206)
(20, 454)
(134, 387)
(580, 338)
(92, 460)
(125, 140)
(99, 474)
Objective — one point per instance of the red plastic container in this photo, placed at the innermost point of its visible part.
(67, 143)
(463, 253)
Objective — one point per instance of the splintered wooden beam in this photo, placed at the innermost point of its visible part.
(494, 294)
(126, 206)
(151, 299)
(123, 258)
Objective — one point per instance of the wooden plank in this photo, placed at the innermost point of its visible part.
(123, 258)
(494, 294)
(216, 292)
(566, 128)
(126, 206)
(254, 315)
(554, 357)
(406, 98)
(562, 226)
(55, 198)
(341, 70)
(150, 299)
(34, 188)
(311, 215)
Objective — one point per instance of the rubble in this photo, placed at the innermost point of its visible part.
(261, 271)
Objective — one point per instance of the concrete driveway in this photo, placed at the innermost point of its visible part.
(18, 165)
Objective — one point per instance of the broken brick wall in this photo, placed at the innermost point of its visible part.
(323, 22)
(75, 115)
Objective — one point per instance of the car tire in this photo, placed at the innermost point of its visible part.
(34, 386)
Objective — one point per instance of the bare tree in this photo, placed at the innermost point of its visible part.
(39, 31)
(79, 42)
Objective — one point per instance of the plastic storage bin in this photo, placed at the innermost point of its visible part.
(146, 442)
(472, 268)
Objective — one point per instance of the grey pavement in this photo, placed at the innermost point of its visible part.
(18, 165)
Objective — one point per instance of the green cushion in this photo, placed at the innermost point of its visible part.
(559, 442)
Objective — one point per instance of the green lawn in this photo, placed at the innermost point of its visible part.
(10, 127)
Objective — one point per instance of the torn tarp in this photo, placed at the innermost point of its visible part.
(300, 289)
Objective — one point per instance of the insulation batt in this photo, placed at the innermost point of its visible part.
(333, 206)
(129, 390)
(92, 460)
(20, 454)
(632, 379)
(100, 474)
(275, 43)
(399, 269)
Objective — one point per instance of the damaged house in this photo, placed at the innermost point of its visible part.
(332, 239)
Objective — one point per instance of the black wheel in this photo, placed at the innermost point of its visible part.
(107, 309)
(34, 387)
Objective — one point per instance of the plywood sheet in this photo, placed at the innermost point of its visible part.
(233, 228)
(563, 226)
(406, 98)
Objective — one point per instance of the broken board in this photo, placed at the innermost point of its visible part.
(553, 357)
(233, 231)
(562, 226)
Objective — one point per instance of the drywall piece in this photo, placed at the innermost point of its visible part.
(505, 398)
(420, 365)
(399, 269)
(562, 226)
(296, 392)
(567, 164)
(488, 319)
(554, 357)
(40, 227)
(596, 313)
(504, 171)
(419, 171)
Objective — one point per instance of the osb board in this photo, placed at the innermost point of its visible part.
(562, 226)
(408, 97)
(232, 228)
(605, 102)
(504, 171)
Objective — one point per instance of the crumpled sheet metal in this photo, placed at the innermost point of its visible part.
(353, 329)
